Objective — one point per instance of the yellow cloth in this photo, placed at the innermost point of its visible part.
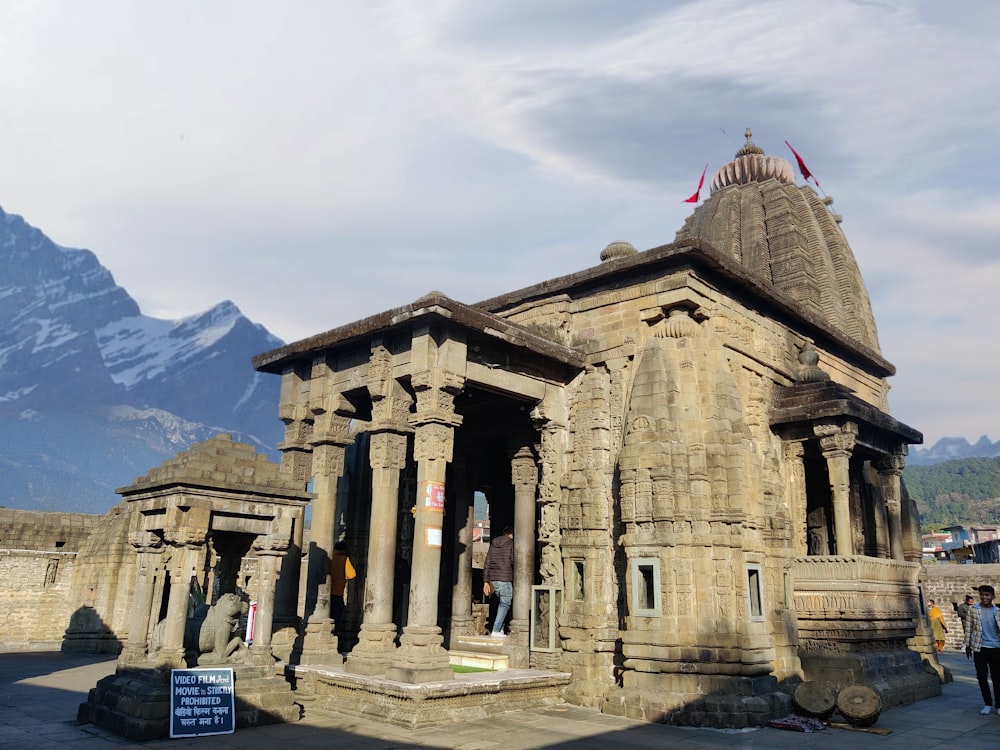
(936, 617)
(341, 571)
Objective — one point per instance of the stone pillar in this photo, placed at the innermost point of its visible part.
(376, 640)
(149, 553)
(270, 549)
(890, 469)
(796, 496)
(550, 451)
(331, 437)
(286, 600)
(421, 656)
(836, 443)
(461, 593)
(182, 568)
(293, 410)
(524, 475)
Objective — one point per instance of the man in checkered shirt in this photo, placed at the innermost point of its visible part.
(982, 642)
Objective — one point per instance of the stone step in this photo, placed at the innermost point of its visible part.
(478, 659)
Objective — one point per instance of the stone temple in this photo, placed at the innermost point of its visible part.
(693, 446)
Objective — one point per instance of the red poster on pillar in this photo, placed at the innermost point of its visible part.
(434, 496)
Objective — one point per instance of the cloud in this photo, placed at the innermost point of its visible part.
(317, 163)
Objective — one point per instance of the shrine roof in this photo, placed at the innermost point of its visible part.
(432, 305)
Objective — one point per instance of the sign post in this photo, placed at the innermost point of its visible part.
(202, 702)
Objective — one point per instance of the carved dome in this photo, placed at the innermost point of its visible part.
(787, 235)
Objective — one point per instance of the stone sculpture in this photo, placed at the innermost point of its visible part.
(215, 638)
(211, 634)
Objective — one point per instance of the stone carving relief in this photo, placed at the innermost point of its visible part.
(836, 439)
(550, 451)
(387, 450)
(434, 442)
(211, 635)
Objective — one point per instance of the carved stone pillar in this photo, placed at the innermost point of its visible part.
(293, 410)
(796, 496)
(183, 567)
(319, 645)
(524, 475)
(549, 536)
(461, 593)
(270, 549)
(836, 443)
(286, 600)
(376, 640)
(890, 469)
(421, 656)
(149, 553)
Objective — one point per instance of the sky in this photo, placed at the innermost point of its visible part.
(319, 162)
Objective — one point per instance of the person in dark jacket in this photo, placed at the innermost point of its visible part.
(498, 576)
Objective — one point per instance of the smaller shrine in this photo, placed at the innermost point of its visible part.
(215, 530)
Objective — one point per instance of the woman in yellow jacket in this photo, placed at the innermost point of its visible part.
(936, 617)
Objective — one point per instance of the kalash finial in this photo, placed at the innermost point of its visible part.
(749, 147)
(752, 165)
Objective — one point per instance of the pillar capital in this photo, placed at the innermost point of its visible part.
(434, 441)
(146, 542)
(332, 429)
(387, 450)
(892, 463)
(274, 545)
(836, 439)
(189, 537)
(435, 393)
(524, 468)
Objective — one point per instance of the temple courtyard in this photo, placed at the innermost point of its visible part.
(41, 692)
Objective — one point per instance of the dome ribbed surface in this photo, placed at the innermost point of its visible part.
(786, 235)
(618, 249)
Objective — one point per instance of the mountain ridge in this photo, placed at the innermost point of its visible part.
(94, 393)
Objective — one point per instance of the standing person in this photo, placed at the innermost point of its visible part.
(936, 617)
(962, 610)
(498, 576)
(341, 571)
(982, 642)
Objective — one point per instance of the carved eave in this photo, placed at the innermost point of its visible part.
(702, 256)
(431, 307)
(798, 407)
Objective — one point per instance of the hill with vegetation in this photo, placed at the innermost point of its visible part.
(965, 491)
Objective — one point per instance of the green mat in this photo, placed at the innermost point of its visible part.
(461, 669)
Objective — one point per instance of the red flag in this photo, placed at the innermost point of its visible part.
(806, 174)
(694, 198)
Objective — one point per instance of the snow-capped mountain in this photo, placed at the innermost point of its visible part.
(93, 393)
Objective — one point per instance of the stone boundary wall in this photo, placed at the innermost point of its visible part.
(40, 530)
(35, 605)
(948, 583)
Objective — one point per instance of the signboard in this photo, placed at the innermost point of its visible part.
(434, 496)
(202, 701)
(434, 537)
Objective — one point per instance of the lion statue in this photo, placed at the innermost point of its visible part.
(211, 635)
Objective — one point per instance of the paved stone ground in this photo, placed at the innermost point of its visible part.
(40, 692)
